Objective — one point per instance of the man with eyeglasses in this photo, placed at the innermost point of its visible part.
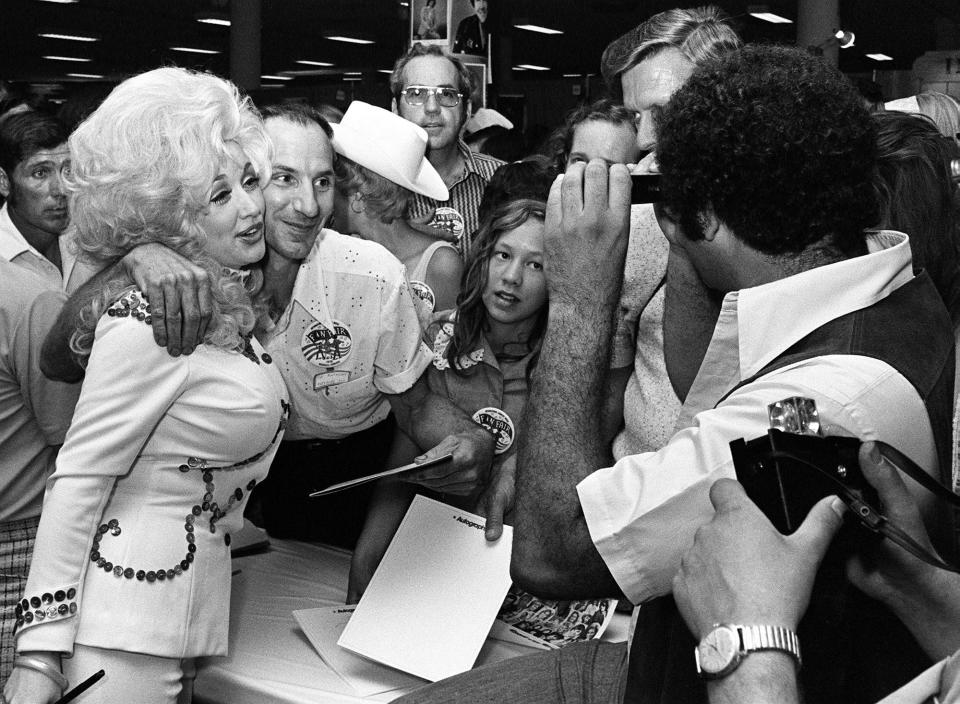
(433, 90)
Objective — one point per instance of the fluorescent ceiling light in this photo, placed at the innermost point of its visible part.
(70, 37)
(532, 67)
(385, 70)
(193, 50)
(771, 17)
(219, 21)
(272, 85)
(85, 75)
(68, 58)
(879, 57)
(571, 75)
(352, 73)
(349, 40)
(307, 62)
(538, 28)
(62, 2)
(352, 78)
(277, 78)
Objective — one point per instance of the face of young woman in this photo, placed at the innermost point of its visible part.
(233, 217)
(516, 287)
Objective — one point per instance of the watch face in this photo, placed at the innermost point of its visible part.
(718, 650)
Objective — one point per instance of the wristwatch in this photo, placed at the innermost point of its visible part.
(721, 651)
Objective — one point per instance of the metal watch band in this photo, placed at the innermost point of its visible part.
(770, 638)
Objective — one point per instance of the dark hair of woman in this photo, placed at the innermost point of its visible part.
(918, 196)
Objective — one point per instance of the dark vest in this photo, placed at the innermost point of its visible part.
(854, 649)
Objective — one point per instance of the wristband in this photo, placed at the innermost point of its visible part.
(42, 667)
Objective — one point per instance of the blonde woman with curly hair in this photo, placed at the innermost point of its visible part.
(131, 569)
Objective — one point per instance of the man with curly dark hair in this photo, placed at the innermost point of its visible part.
(786, 169)
(767, 157)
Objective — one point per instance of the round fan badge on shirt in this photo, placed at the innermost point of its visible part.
(325, 347)
(424, 293)
(498, 423)
(446, 218)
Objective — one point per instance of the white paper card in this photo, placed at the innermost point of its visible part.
(323, 627)
(435, 595)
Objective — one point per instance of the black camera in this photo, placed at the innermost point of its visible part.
(645, 188)
(785, 474)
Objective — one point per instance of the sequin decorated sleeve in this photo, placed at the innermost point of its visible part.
(129, 385)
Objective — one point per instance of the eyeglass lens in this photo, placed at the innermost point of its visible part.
(417, 95)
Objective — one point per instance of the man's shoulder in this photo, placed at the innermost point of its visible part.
(344, 254)
(20, 286)
(486, 165)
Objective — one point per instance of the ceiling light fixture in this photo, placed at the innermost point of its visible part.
(276, 78)
(68, 58)
(762, 12)
(85, 75)
(537, 28)
(532, 67)
(193, 50)
(307, 62)
(349, 40)
(352, 78)
(214, 19)
(845, 39)
(69, 37)
(572, 75)
(879, 57)
(63, 2)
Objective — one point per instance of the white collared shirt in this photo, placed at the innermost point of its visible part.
(15, 249)
(642, 513)
(349, 337)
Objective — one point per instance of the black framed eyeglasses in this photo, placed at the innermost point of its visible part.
(417, 95)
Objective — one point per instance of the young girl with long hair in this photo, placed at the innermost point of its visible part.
(484, 352)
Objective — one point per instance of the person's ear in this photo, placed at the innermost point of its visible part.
(668, 221)
(710, 224)
(356, 203)
(4, 184)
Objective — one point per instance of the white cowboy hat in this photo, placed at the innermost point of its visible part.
(388, 145)
(484, 118)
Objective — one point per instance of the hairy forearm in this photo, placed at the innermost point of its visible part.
(562, 443)
(57, 360)
(427, 417)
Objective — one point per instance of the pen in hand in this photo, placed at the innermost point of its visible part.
(80, 688)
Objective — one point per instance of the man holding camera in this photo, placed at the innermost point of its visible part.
(741, 570)
(766, 157)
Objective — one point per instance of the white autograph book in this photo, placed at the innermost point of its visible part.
(431, 602)
(322, 627)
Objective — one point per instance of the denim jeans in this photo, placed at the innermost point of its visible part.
(585, 673)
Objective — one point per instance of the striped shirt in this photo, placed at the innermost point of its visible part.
(465, 197)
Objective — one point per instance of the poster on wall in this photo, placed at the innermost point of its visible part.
(472, 31)
(479, 71)
(430, 22)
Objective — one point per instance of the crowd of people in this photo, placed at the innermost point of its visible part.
(196, 288)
